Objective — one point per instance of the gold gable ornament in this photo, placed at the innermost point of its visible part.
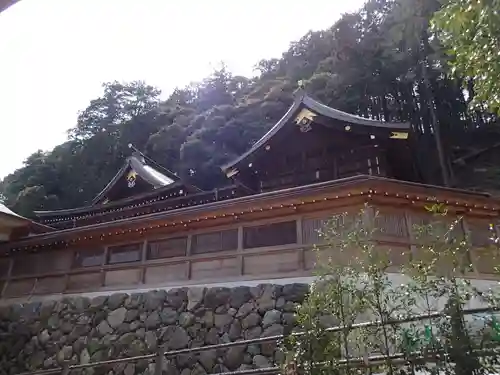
(399, 135)
(131, 178)
(232, 172)
(304, 120)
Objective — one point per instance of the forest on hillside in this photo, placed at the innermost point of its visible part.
(382, 62)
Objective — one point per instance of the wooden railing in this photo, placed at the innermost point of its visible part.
(179, 264)
(106, 214)
(363, 161)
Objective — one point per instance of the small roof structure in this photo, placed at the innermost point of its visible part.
(305, 109)
(135, 167)
(5, 212)
(10, 219)
(140, 180)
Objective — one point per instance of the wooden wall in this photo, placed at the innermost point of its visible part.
(273, 248)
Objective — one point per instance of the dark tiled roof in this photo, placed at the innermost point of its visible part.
(149, 174)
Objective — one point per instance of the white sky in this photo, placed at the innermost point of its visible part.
(54, 54)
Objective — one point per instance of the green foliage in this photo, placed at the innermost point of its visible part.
(119, 104)
(335, 298)
(355, 287)
(368, 63)
(470, 31)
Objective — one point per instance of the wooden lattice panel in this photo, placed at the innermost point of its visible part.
(486, 259)
(432, 228)
(122, 277)
(315, 230)
(4, 267)
(215, 268)
(125, 253)
(55, 261)
(312, 230)
(18, 288)
(275, 234)
(42, 263)
(480, 234)
(92, 257)
(25, 264)
(165, 273)
(273, 263)
(216, 241)
(391, 224)
(85, 281)
(50, 285)
(309, 259)
(168, 248)
(334, 256)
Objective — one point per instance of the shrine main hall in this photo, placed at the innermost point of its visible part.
(150, 229)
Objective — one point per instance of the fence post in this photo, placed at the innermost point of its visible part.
(366, 361)
(160, 357)
(65, 368)
(291, 368)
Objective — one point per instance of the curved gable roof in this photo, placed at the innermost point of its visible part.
(23, 221)
(7, 212)
(149, 174)
(330, 112)
(305, 101)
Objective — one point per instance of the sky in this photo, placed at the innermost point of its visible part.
(55, 54)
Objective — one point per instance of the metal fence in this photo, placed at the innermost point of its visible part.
(161, 355)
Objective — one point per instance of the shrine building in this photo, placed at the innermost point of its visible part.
(149, 229)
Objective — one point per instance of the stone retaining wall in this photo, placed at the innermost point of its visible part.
(82, 330)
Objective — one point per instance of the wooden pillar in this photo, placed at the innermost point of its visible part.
(160, 357)
(369, 217)
(65, 368)
(472, 254)
(144, 255)
(70, 270)
(411, 234)
(33, 288)
(300, 241)
(291, 368)
(299, 231)
(7, 277)
(189, 243)
(239, 250)
(103, 263)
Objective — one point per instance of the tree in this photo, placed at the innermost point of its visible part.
(119, 103)
(470, 30)
(353, 286)
(375, 317)
(370, 63)
(335, 298)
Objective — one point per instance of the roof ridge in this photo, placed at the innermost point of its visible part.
(150, 160)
